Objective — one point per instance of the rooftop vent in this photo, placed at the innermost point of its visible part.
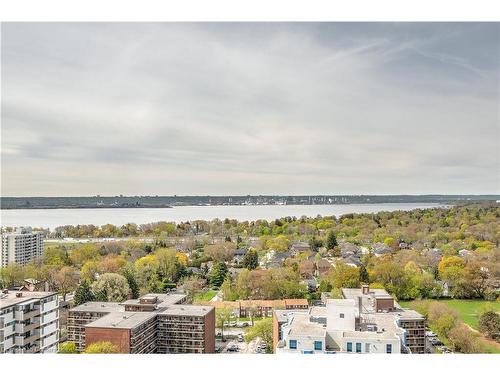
(19, 294)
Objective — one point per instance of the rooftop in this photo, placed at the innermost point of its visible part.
(125, 320)
(186, 310)
(301, 325)
(99, 307)
(11, 299)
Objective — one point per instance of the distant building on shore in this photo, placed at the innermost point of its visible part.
(21, 246)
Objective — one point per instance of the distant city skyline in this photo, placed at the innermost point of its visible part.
(261, 109)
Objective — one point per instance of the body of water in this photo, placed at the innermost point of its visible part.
(52, 218)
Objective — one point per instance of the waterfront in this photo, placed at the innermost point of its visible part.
(52, 218)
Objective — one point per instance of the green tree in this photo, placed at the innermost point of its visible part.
(132, 284)
(222, 317)
(363, 274)
(251, 259)
(218, 274)
(111, 287)
(83, 293)
(264, 330)
(344, 276)
(67, 347)
(101, 347)
(331, 240)
(489, 324)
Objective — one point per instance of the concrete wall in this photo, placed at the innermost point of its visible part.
(376, 345)
(334, 310)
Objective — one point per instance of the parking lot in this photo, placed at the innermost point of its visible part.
(434, 345)
(237, 345)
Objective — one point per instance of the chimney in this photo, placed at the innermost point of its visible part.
(365, 289)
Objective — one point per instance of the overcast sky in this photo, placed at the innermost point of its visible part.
(216, 109)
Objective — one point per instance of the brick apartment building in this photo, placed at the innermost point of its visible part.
(259, 308)
(154, 323)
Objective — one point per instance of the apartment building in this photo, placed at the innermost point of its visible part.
(258, 308)
(21, 246)
(153, 323)
(29, 322)
(363, 321)
(80, 316)
(186, 329)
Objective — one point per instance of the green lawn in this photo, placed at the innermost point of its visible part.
(468, 310)
(207, 296)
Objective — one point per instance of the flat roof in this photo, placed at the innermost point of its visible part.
(187, 310)
(99, 307)
(302, 326)
(123, 320)
(10, 299)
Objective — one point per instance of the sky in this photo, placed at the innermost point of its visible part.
(249, 108)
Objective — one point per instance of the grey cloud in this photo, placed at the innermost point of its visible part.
(249, 108)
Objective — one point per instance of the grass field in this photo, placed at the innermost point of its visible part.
(468, 310)
(207, 296)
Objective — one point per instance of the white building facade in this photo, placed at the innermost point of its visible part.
(21, 246)
(29, 322)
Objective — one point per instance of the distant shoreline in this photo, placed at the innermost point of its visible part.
(97, 202)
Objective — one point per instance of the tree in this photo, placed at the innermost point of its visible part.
(83, 293)
(463, 340)
(344, 276)
(111, 287)
(11, 275)
(167, 263)
(489, 324)
(66, 280)
(192, 286)
(264, 330)
(67, 347)
(83, 253)
(223, 316)
(363, 274)
(218, 274)
(101, 347)
(251, 259)
(132, 284)
(220, 252)
(331, 240)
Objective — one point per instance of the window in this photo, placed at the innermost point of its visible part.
(358, 347)
(388, 348)
(293, 344)
(318, 345)
(342, 316)
(349, 347)
(367, 347)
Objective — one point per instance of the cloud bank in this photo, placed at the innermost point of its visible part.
(250, 108)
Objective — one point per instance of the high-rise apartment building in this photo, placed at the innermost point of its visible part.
(21, 246)
(29, 322)
(154, 323)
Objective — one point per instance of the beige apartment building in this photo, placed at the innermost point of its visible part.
(21, 246)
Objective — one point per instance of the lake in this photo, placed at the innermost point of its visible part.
(52, 218)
